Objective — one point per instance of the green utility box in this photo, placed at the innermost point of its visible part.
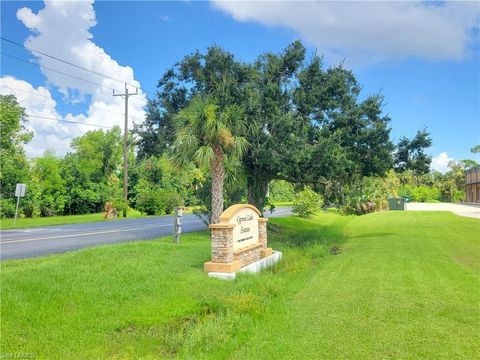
(396, 204)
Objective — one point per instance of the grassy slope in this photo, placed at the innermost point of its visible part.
(405, 286)
(60, 220)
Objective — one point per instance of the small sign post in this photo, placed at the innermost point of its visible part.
(19, 192)
(177, 224)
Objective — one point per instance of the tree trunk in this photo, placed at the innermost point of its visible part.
(218, 176)
(257, 190)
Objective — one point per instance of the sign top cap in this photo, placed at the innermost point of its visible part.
(232, 210)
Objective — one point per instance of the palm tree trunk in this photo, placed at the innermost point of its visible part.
(218, 176)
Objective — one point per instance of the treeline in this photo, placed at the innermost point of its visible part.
(371, 193)
(221, 131)
(89, 176)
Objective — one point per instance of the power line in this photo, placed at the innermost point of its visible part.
(72, 64)
(49, 97)
(59, 72)
(68, 121)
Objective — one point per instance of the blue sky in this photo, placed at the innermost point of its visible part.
(426, 64)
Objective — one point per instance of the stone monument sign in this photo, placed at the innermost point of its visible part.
(239, 240)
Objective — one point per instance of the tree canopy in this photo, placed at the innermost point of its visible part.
(222, 130)
(304, 123)
(14, 166)
(411, 155)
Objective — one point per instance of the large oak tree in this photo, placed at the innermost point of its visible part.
(305, 124)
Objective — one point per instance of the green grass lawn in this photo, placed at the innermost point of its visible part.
(61, 220)
(401, 285)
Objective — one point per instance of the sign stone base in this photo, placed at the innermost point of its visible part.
(251, 268)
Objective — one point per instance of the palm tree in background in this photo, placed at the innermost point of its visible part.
(207, 136)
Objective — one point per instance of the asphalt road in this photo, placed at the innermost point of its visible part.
(33, 242)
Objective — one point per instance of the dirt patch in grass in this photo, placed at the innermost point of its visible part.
(169, 339)
(335, 250)
(274, 228)
(165, 340)
(467, 260)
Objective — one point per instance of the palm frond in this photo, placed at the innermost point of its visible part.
(212, 126)
(184, 147)
(234, 118)
(240, 146)
(204, 155)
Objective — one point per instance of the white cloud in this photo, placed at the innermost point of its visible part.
(48, 134)
(163, 18)
(369, 32)
(62, 29)
(440, 162)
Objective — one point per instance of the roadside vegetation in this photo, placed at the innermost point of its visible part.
(383, 285)
(219, 131)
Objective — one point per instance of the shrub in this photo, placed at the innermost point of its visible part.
(169, 200)
(405, 191)
(281, 191)
(307, 202)
(7, 208)
(366, 195)
(421, 193)
(120, 204)
(154, 201)
(450, 191)
(458, 195)
(149, 202)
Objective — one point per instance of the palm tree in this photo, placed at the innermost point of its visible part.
(206, 136)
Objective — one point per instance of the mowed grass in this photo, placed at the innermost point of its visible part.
(406, 286)
(400, 285)
(61, 220)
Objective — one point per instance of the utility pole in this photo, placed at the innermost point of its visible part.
(125, 96)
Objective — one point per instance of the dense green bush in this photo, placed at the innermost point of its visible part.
(421, 193)
(174, 186)
(149, 202)
(281, 191)
(307, 202)
(450, 191)
(120, 204)
(7, 208)
(169, 200)
(366, 195)
(86, 199)
(156, 201)
(426, 193)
